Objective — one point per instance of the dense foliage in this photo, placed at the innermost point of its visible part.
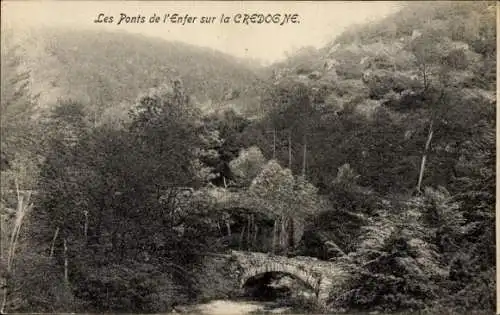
(376, 152)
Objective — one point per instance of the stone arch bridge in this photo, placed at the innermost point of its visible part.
(323, 277)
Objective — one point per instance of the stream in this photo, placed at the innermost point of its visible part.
(234, 307)
(266, 294)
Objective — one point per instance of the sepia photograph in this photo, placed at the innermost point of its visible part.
(248, 157)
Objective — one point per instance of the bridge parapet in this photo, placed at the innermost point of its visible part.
(248, 259)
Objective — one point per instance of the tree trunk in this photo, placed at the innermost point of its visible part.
(99, 226)
(242, 235)
(4, 299)
(424, 74)
(304, 157)
(15, 231)
(249, 231)
(256, 231)
(273, 246)
(66, 279)
(115, 239)
(280, 236)
(2, 228)
(23, 207)
(424, 157)
(86, 226)
(123, 245)
(291, 232)
(284, 235)
(274, 143)
(53, 242)
(290, 150)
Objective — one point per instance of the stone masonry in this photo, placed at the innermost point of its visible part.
(323, 277)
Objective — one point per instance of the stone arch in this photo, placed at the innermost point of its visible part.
(309, 278)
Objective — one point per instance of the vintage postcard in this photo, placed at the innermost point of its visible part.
(248, 157)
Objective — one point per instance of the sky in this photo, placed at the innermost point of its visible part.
(317, 23)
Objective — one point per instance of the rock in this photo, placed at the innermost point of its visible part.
(314, 75)
(416, 34)
(180, 309)
(280, 310)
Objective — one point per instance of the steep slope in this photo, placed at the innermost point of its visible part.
(369, 62)
(407, 105)
(373, 91)
(104, 69)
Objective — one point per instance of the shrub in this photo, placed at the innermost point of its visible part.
(135, 287)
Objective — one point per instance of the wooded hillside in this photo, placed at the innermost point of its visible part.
(376, 152)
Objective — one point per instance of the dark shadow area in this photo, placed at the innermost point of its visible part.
(261, 287)
(276, 286)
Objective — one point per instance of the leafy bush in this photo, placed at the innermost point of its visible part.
(37, 285)
(248, 164)
(132, 287)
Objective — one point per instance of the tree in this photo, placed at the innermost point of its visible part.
(163, 128)
(17, 101)
(117, 196)
(20, 150)
(248, 165)
(293, 201)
